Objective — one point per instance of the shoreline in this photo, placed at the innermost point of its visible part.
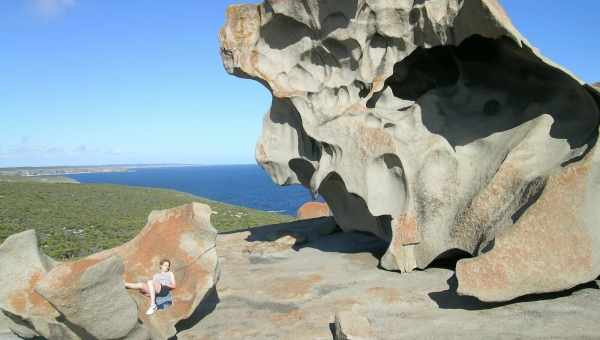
(74, 170)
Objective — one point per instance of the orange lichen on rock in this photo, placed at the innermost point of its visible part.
(387, 295)
(183, 235)
(69, 271)
(313, 210)
(293, 287)
(406, 227)
(551, 232)
(288, 317)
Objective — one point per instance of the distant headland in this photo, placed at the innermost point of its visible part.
(68, 170)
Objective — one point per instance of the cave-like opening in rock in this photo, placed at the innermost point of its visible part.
(303, 170)
(449, 258)
(351, 211)
(484, 86)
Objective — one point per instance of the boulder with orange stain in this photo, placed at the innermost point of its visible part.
(89, 294)
(554, 245)
(23, 266)
(310, 210)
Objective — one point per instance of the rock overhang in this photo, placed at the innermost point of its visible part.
(431, 124)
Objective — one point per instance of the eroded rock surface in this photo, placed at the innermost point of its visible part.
(23, 266)
(434, 125)
(294, 294)
(86, 298)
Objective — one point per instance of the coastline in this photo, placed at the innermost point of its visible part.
(74, 170)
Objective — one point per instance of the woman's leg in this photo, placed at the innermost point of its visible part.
(137, 285)
(154, 288)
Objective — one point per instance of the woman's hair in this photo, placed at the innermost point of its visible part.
(165, 260)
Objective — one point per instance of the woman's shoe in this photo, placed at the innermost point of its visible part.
(151, 310)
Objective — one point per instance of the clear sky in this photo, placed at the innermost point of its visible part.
(141, 81)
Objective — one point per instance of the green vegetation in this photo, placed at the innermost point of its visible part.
(74, 220)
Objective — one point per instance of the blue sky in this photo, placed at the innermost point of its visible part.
(141, 81)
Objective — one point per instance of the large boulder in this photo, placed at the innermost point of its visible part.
(23, 266)
(87, 298)
(434, 125)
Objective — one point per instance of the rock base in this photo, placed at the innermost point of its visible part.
(294, 293)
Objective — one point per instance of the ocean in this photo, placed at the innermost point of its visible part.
(244, 185)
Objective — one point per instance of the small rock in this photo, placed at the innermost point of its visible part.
(279, 244)
(313, 210)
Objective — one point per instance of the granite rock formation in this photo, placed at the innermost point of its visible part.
(86, 298)
(28, 313)
(434, 125)
(294, 293)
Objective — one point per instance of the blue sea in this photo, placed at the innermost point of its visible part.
(244, 185)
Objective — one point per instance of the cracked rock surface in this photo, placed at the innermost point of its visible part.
(434, 125)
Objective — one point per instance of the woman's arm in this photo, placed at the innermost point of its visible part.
(173, 284)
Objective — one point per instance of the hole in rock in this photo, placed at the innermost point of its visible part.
(335, 14)
(283, 112)
(484, 86)
(350, 210)
(303, 169)
(488, 246)
(448, 259)
(294, 31)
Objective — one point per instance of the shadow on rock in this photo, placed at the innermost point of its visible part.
(449, 299)
(349, 243)
(207, 306)
(322, 234)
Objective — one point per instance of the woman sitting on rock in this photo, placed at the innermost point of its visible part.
(160, 285)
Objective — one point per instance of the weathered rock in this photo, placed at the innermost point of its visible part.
(91, 295)
(293, 294)
(313, 210)
(432, 124)
(271, 240)
(351, 326)
(87, 297)
(558, 230)
(282, 243)
(23, 266)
